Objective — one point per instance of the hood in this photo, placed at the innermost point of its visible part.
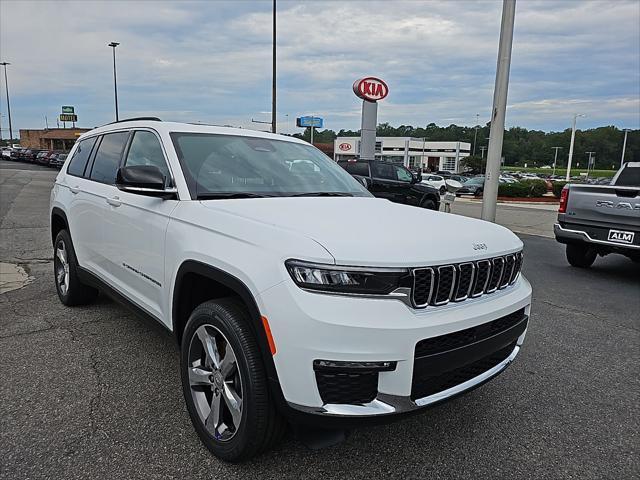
(376, 232)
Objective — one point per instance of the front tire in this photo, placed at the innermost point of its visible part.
(581, 256)
(428, 204)
(71, 291)
(225, 384)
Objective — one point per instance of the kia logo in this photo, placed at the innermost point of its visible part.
(371, 89)
(344, 147)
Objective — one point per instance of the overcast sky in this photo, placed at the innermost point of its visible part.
(211, 61)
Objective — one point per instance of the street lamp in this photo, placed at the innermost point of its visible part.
(624, 144)
(555, 159)
(115, 83)
(573, 137)
(6, 86)
(273, 80)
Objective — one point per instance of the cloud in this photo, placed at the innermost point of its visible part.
(211, 61)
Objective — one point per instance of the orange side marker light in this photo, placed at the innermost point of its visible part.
(267, 331)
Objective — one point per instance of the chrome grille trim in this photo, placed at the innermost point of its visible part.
(430, 272)
(465, 295)
(501, 272)
(434, 299)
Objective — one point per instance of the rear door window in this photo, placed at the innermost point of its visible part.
(357, 168)
(385, 171)
(107, 159)
(79, 160)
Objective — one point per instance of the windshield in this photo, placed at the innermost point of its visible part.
(223, 166)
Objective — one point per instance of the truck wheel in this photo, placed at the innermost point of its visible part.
(225, 384)
(71, 291)
(428, 204)
(581, 256)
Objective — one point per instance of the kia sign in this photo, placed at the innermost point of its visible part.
(345, 147)
(371, 89)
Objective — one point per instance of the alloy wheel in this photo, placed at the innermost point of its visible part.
(62, 268)
(215, 382)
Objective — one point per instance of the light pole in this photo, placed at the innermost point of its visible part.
(273, 85)
(555, 159)
(115, 82)
(624, 144)
(6, 86)
(475, 135)
(573, 137)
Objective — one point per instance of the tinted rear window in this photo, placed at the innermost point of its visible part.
(629, 177)
(107, 158)
(356, 168)
(80, 157)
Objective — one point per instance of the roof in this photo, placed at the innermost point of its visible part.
(170, 127)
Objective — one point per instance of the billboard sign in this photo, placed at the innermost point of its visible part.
(65, 117)
(68, 109)
(371, 89)
(316, 122)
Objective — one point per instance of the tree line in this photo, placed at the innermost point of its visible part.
(520, 146)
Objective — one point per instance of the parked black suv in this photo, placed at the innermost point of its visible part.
(393, 182)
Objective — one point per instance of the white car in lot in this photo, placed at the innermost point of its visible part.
(436, 181)
(294, 294)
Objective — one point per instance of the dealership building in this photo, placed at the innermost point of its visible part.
(407, 151)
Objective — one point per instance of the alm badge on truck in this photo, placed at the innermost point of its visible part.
(621, 236)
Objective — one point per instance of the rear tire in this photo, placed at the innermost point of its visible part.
(231, 435)
(428, 204)
(71, 291)
(580, 255)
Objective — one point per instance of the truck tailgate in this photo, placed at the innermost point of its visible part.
(604, 206)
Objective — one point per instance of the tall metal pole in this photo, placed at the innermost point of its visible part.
(589, 162)
(6, 86)
(624, 146)
(573, 138)
(273, 85)
(494, 154)
(115, 82)
(555, 159)
(475, 135)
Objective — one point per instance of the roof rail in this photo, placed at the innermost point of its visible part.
(136, 119)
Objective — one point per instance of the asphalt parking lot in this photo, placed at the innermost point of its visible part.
(94, 392)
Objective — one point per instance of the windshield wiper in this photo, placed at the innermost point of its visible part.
(322, 194)
(226, 195)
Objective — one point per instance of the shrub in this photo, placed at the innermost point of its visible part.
(557, 188)
(523, 189)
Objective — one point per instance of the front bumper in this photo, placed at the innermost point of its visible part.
(309, 326)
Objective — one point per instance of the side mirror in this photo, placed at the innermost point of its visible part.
(143, 180)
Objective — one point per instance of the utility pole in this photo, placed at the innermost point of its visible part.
(573, 137)
(624, 146)
(115, 83)
(475, 135)
(498, 112)
(273, 85)
(482, 149)
(555, 159)
(588, 163)
(6, 87)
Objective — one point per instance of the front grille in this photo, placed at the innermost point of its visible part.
(442, 284)
(443, 343)
(351, 387)
(425, 384)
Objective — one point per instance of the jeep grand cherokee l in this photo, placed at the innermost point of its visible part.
(294, 294)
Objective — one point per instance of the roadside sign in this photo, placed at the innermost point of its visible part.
(316, 122)
(371, 89)
(68, 109)
(64, 117)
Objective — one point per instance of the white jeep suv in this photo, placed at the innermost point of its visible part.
(294, 294)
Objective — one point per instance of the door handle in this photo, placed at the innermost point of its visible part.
(114, 202)
(75, 190)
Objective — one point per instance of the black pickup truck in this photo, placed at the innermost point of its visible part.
(601, 219)
(393, 182)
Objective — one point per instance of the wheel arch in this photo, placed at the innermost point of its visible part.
(228, 285)
(58, 222)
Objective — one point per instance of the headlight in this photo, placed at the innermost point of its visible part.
(338, 279)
